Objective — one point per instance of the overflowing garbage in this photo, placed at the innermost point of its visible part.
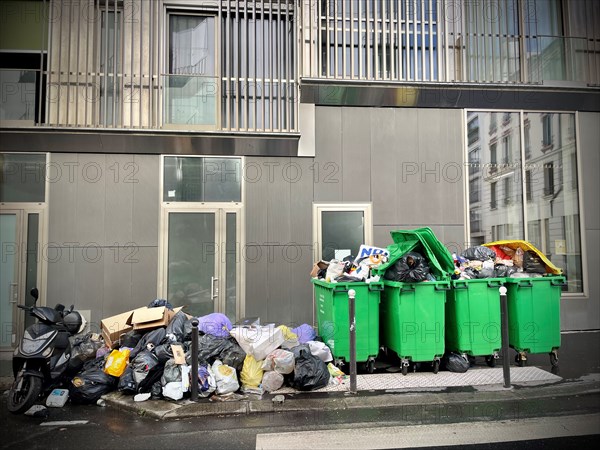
(146, 353)
(352, 268)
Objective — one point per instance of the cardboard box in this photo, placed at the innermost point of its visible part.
(113, 327)
(318, 266)
(145, 318)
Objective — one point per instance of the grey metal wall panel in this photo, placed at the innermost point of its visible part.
(118, 200)
(385, 153)
(589, 144)
(89, 283)
(452, 165)
(62, 197)
(278, 202)
(279, 272)
(356, 155)
(301, 290)
(254, 204)
(90, 200)
(117, 287)
(144, 272)
(61, 277)
(301, 192)
(143, 175)
(328, 139)
(256, 281)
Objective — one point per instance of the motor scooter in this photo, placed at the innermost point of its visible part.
(41, 359)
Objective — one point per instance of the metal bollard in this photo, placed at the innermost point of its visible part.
(194, 381)
(352, 321)
(504, 330)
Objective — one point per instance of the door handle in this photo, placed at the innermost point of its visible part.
(14, 294)
(214, 290)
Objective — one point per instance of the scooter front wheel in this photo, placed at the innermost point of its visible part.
(21, 399)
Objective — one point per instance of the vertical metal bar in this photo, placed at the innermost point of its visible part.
(271, 71)
(68, 64)
(360, 41)
(238, 83)
(376, 40)
(415, 36)
(103, 77)
(246, 23)
(352, 331)
(352, 61)
(510, 37)
(294, 76)
(392, 38)
(402, 40)
(40, 75)
(336, 59)
(254, 81)
(86, 120)
(194, 377)
(77, 68)
(431, 23)
(122, 70)
(368, 40)
(59, 65)
(141, 74)
(228, 64)
(151, 65)
(289, 44)
(344, 43)
(115, 104)
(422, 33)
(131, 60)
(384, 47)
(442, 33)
(264, 63)
(504, 330)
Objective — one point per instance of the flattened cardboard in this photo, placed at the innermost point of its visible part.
(318, 266)
(145, 318)
(178, 354)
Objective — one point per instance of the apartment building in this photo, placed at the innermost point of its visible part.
(208, 152)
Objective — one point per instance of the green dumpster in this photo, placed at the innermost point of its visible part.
(333, 321)
(534, 315)
(412, 314)
(473, 318)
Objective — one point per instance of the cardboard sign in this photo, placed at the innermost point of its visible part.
(178, 353)
(367, 250)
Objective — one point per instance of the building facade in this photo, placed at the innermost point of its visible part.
(208, 152)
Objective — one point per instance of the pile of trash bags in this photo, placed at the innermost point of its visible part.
(410, 268)
(494, 261)
(352, 268)
(232, 360)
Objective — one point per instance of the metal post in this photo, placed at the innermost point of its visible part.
(194, 381)
(352, 320)
(504, 328)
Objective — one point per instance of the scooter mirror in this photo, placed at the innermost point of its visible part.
(35, 293)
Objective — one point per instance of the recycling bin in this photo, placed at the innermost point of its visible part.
(333, 321)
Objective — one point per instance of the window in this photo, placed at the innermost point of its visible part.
(493, 123)
(527, 139)
(22, 177)
(340, 229)
(110, 67)
(506, 150)
(473, 130)
(474, 190)
(546, 131)
(474, 162)
(493, 158)
(191, 86)
(544, 209)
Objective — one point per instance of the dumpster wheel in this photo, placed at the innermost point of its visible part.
(491, 360)
(554, 358)
(370, 366)
(436, 365)
(404, 364)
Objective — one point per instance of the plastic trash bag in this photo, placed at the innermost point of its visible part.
(153, 375)
(334, 371)
(130, 339)
(117, 362)
(320, 350)
(487, 270)
(305, 333)
(258, 341)
(334, 270)
(216, 324)
(156, 391)
(309, 372)
(160, 302)
(279, 360)
(272, 381)
(207, 383)
(171, 373)
(233, 356)
(154, 337)
(173, 390)
(142, 364)
(252, 372)
(291, 338)
(479, 253)
(412, 267)
(503, 271)
(225, 377)
(89, 385)
(83, 348)
(532, 263)
(209, 349)
(127, 384)
(175, 329)
(455, 362)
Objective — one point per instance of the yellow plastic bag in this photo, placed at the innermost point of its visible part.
(291, 338)
(117, 362)
(252, 372)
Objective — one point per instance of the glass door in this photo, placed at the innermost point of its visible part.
(200, 264)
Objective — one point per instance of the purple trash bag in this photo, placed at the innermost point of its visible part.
(305, 333)
(215, 324)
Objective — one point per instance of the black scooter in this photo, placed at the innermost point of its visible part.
(42, 357)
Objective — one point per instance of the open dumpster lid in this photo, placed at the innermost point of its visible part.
(528, 246)
(436, 251)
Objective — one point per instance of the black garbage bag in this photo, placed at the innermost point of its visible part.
(532, 263)
(156, 391)
(142, 365)
(91, 384)
(500, 270)
(164, 352)
(171, 373)
(131, 339)
(309, 372)
(233, 356)
(210, 348)
(127, 384)
(479, 253)
(154, 337)
(412, 267)
(160, 302)
(187, 330)
(175, 329)
(83, 348)
(154, 375)
(455, 362)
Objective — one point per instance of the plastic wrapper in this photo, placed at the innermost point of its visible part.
(117, 362)
(518, 258)
(412, 267)
(272, 381)
(225, 378)
(291, 338)
(215, 324)
(479, 253)
(206, 381)
(252, 372)
(279, 360)
(309, 372)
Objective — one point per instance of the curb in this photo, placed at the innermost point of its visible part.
(163, 409)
